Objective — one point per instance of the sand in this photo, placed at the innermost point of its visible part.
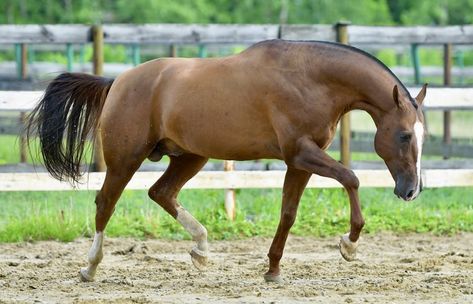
(415, 268)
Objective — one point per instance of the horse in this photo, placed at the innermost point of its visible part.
(275, 100)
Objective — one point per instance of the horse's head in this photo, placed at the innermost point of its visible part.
(399, 142)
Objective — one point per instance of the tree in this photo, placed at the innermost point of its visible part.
(368, 12)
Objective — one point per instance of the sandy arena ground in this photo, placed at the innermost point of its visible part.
(418, 268)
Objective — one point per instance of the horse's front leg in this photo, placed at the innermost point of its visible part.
(294, 184)
(311, 158)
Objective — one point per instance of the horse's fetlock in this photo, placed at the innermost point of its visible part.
(359, 224)
(201, 235)
(95, 258)
(275, 256)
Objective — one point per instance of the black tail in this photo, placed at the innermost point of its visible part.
(64, 118)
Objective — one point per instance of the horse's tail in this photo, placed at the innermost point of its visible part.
(66, 116)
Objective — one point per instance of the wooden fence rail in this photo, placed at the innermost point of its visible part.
(438, 98)
(232, 33)
(230, 179)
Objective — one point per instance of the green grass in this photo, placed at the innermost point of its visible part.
(68, 215)
(9, 149)
(28, 216)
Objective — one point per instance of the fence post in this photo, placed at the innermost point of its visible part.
(447, 115)
(70, 56)
(135, 50)
(460, 62)
(22, 68)
(97, 41)
(202, 51)
(173, 51)
(82, 55)
(345, 130)
(230, 196)
(415, 62)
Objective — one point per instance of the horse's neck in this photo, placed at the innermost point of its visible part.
(355, 81)
(374, 93)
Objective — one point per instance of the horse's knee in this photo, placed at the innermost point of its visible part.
(104, 205)
(288, 218)
(349, 180)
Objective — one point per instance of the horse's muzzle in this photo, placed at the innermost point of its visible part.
(407, 189)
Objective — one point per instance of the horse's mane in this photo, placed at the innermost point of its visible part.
(370, 56)
(351, 49)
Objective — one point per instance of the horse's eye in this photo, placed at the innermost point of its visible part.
(405, 137)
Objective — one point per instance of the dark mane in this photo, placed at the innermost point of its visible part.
(352, 49)
(361, 52)
(364, 53)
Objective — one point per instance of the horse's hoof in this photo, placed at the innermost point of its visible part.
(348, 248)
(84, 275)
(271, 278)
(199, 258)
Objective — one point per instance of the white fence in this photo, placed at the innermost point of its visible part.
(231, 180)
(437, 99)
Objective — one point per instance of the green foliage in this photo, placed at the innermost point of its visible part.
(114, 53)
(467, 58)
(163, 11)
(387, 56)
(439, 12)
(9, 150)
(323, 212)
(430, 57)
(370, 12)
(329, 12)
(51, 57)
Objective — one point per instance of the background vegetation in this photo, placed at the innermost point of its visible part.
(28, 216)
(370, 12)
(323, 212)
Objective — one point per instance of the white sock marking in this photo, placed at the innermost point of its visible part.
(95, 257)
(95, 252)
(198, 232)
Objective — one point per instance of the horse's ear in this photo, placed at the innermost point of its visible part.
(396, 96)
(420, 97)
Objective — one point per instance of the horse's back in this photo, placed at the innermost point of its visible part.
(236, 107)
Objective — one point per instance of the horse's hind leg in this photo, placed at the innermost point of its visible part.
(164, 192)
(107, 197)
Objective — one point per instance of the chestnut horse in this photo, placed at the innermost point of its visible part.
(276, 100)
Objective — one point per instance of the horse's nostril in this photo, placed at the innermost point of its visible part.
(410, 194)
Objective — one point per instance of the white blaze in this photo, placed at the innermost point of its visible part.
(419, 132)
